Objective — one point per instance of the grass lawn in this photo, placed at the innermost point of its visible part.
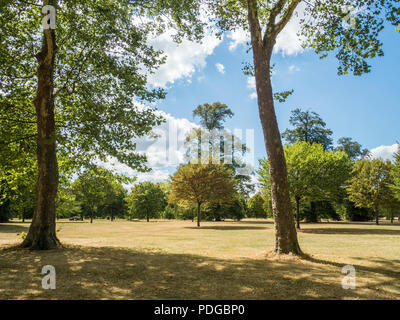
(221, 260)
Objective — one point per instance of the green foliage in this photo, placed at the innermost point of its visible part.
(395, 186)
(196, 184)
(235, 210)
(308, 127)
(282, 96)
(147, 200)
(352, 148)
(370, 184)
(5, 212)
(314, 174)
(213, 115)
(322, 24)
(256, 207)
(223, 145)
(101, 67)
(97, 189)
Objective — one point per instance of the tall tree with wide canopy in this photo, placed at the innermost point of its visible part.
(81, 84)
(325, 32)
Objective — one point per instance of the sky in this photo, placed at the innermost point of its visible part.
(364, 108)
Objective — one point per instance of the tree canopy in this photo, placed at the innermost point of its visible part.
(197, 184)
(146, 200)
(370, 184)
(308, 127)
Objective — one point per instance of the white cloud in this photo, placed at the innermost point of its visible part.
(220, 67)
(251, 84)
(183, 59)
(293, 68)
(384, 152)
(164, 153)
(253, 95)
(238, 37)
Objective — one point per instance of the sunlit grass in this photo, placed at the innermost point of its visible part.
(221, 260)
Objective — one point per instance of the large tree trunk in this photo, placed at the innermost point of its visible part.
(42, 232)
(285, 231)
(377, 217)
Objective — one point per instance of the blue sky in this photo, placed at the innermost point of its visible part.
(365, 108)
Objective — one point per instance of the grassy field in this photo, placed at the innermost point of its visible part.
(221, 260)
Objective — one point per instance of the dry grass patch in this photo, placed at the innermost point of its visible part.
(221, 260)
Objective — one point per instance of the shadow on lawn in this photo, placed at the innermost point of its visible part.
(116, 273)
(354, 231)
(10, 228)
(228, 227)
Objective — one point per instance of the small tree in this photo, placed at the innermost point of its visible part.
(369, 186)
(147, 200)
(197, 184)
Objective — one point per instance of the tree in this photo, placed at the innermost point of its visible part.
(314, 174)
(396, 175)
(352, 148)
(114, 204)
(325, 32)
(222, 145)
(94, 189)
(197, 184)
(308, 127)
(256, 207)
(90, 76)
(370, 184)
(147, 200)
(213, 115)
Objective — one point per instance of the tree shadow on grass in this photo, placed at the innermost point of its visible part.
(256, 222)
(10, 228)
(351, 231)
(119, 273)
(228, 227)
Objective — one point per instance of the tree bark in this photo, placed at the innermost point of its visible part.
(198, 214)
(285, 231)
(377, 217)
(91, 216)
(42, 231)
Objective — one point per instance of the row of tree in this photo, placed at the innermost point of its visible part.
(66, 93)
(327, 182)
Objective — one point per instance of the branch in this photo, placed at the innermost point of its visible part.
(273, 29)
(286, 16)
